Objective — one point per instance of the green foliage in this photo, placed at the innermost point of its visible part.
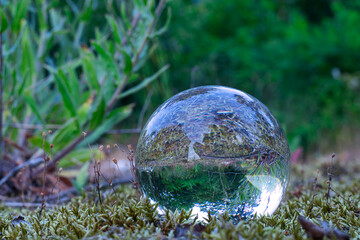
(67, 64)
(301, 61)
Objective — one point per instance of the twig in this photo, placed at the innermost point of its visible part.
(42, 194)
(144, 108)
(124, 131)
(96, 167)
(35, 126)
(130, 30)
(329, 173)
(55, 126)
(131, 158)
(17, 146)
(61, 154)
(136, 58)
(26, 205)
(31, 163)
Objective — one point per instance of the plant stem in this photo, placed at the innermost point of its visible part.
(119, 89)
(2, 146)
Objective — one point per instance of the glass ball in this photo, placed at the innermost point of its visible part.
(216, 149)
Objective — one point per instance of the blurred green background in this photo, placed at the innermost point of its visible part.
(299, 57)
(67, 58)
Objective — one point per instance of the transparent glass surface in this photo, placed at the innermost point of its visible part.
(214, 149)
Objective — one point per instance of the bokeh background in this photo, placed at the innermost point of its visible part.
(65, 60)
(299, 57)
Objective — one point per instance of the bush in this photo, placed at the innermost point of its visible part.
(68, 67)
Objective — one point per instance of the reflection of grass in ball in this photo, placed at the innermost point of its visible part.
(182, 186)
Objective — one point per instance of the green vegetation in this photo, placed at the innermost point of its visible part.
(298, 57)
(68, 68)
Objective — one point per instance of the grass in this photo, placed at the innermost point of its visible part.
(122, 216)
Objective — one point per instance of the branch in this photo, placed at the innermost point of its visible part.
(130, 30)
(32, 163)
(119, 89)
(60, 155)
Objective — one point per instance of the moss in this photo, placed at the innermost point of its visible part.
(121, 216)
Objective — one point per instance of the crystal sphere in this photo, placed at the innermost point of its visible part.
(216, 149)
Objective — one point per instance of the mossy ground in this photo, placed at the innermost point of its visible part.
(121, 216)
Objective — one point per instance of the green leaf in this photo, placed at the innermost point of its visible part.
(108, 59)
(144, 83)
(74, 87)
(63, 89)
(4, 23)
(23, 82)
(65, 80)
(103, 53)
(98, 115)
(38, 141)
(65, 135)
(164, 28)
(82, 178)
(32, 104)
(41, 18)
(20, 13)
(76, 157)
(90, 73)
(84, 110)
(127, 63)
(124, 18)
(114, 28)
(113, 118)
(86, 14)
(28, 57)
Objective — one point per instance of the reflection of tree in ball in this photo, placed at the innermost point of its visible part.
(213, 148)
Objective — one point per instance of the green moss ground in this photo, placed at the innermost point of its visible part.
(121, 216)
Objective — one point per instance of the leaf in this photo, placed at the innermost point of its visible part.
(3, 22)
(38, 141)
(63, 90)
(114, 117)
(98, 115)
(164, 28)
(23, 82)
(74, 87)
(107, 58)
(90, 74)
(128, 63)
(65, 81)
(20, 13)
(28, 56)
(84, 110)
(86, 14)
(32, 104)
(124, 18)
(144, 83)
(15, 45)
(75, 157)
(82, 178)
(103, 53)
(114, 28)
(68, 132)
